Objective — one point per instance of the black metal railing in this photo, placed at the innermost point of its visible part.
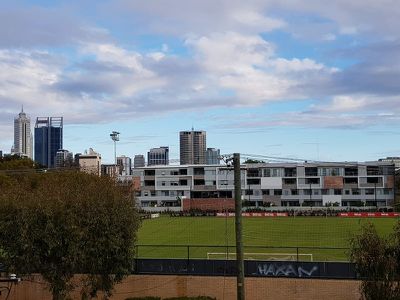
(223, 252)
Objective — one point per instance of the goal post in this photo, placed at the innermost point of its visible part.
(262, 256)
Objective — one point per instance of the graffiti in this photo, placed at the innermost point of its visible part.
(285, 270)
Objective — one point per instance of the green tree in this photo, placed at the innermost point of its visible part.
(253, 161)
(64, 223)
(377, 261)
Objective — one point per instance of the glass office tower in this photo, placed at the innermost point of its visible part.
(48, 140)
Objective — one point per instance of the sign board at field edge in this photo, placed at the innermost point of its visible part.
(369, 214)
(263, 214)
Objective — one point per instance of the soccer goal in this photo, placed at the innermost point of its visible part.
(262, 256)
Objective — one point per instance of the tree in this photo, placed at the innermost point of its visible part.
(377, 262)
(64, 223)
(254, 161)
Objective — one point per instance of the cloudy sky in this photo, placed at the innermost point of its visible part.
(299, 79)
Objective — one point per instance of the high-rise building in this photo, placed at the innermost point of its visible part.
(22, 135)
(48, 139)
(125, 165)
(64, 159)
(158, 156)
(89, 162)
(212, 156)
(192, 147)
(138, 161)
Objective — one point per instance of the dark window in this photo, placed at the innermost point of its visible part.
(253, 181)
(289, 180)
(350, 180)
(351, 171)
(183, 182)
(311, 171)
(198, 171)
(337, 192)
(290, 172)
(199, 182)
(265, 192)
(182, 171)
(149, 172)
(277, 192)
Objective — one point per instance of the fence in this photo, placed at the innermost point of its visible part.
(261, 253)
(254, 268)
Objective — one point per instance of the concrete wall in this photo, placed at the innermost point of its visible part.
(218, 287)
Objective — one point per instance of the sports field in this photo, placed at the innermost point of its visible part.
(303, 238)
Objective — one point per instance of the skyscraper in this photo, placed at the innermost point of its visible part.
(158, 156)
(138, 161)
(192, 147)
(212, 156)
(125, 165)
(22, 135)
(48, 140)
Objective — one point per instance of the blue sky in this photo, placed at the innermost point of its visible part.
(297, 79)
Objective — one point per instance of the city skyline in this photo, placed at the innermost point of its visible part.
(281, 79)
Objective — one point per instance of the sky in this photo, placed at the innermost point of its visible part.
(311, 79)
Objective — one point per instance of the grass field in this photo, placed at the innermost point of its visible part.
(287, 235)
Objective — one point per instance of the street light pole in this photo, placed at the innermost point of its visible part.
(115, 137)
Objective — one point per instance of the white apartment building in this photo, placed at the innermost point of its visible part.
(265, 184)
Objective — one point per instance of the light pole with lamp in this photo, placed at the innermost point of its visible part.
(115, 137)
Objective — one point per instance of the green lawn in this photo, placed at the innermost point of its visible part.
(200, 233)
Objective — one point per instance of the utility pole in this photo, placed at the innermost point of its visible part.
(238, 228)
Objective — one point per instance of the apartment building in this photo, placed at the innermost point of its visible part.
(266, 184)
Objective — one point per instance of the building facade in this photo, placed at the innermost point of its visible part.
(139, 161)
(158, 156)
(22, 136)
(212, 156)
(48, 140)
(269, 184)
(125, 165)
(89, 162)
(64, 159)
(192, 146)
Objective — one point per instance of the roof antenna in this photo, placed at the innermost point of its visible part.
(22, 108)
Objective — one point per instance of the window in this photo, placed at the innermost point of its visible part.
(306, 192)
(347, 192)
(294, 192)
(265, 192)
(325, 191)
(311, 171)
(277, 192)
(337, 192)
(369, 191)
(355, 191)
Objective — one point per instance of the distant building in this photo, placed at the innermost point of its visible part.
(125, 165)
(22, 136)
(111, 170)
(1, 154)
(48, 140)
(89, 162)
(212, 156)
(392, 159)
(138, 161)
(211, 187)
(158, 156)
(192, 147)
(64, 159)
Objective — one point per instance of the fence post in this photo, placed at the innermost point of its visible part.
(297, 252)
(188, 258)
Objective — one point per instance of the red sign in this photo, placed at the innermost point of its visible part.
(259, 214)
(369, 214)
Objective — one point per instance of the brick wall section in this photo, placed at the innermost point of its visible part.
(218, 287)
(333, 182)
(219, 204)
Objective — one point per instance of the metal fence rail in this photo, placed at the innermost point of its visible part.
(261, 253)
